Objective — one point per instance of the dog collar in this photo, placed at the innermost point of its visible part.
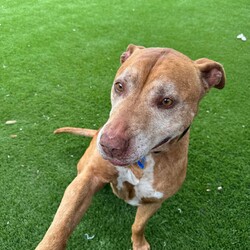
(184, 132)
(167, 139)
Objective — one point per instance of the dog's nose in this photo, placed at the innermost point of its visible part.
(114, 147)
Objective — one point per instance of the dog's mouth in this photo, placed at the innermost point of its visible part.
(117, 162)
(124, 162)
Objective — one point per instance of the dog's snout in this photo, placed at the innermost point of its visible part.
(114, 146)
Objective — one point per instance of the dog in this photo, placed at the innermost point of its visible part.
(142, 150)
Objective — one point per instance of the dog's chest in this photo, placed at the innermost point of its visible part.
(133, 188)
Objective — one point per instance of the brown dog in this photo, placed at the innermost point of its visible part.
(142, 149)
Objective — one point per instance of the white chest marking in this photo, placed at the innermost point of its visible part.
(125, 174)
(144, 186)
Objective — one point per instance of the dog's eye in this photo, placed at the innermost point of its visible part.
(166, 103)
(118, 87)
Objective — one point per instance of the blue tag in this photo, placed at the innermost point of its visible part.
(141, 162)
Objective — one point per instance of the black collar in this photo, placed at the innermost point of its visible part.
(184, 132)
(167, 139)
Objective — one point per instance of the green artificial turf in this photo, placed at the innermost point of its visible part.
(57, 63)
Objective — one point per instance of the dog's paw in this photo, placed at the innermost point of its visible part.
(145, 246)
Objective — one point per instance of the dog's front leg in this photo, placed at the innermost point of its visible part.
(144, 212)
(76, 200)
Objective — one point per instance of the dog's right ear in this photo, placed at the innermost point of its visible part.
(130, 50)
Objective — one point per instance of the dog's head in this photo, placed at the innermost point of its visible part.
(155, 97)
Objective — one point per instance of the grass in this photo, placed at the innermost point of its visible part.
(57, 63)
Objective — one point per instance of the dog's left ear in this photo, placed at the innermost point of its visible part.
(130, 50)
(212, 73)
